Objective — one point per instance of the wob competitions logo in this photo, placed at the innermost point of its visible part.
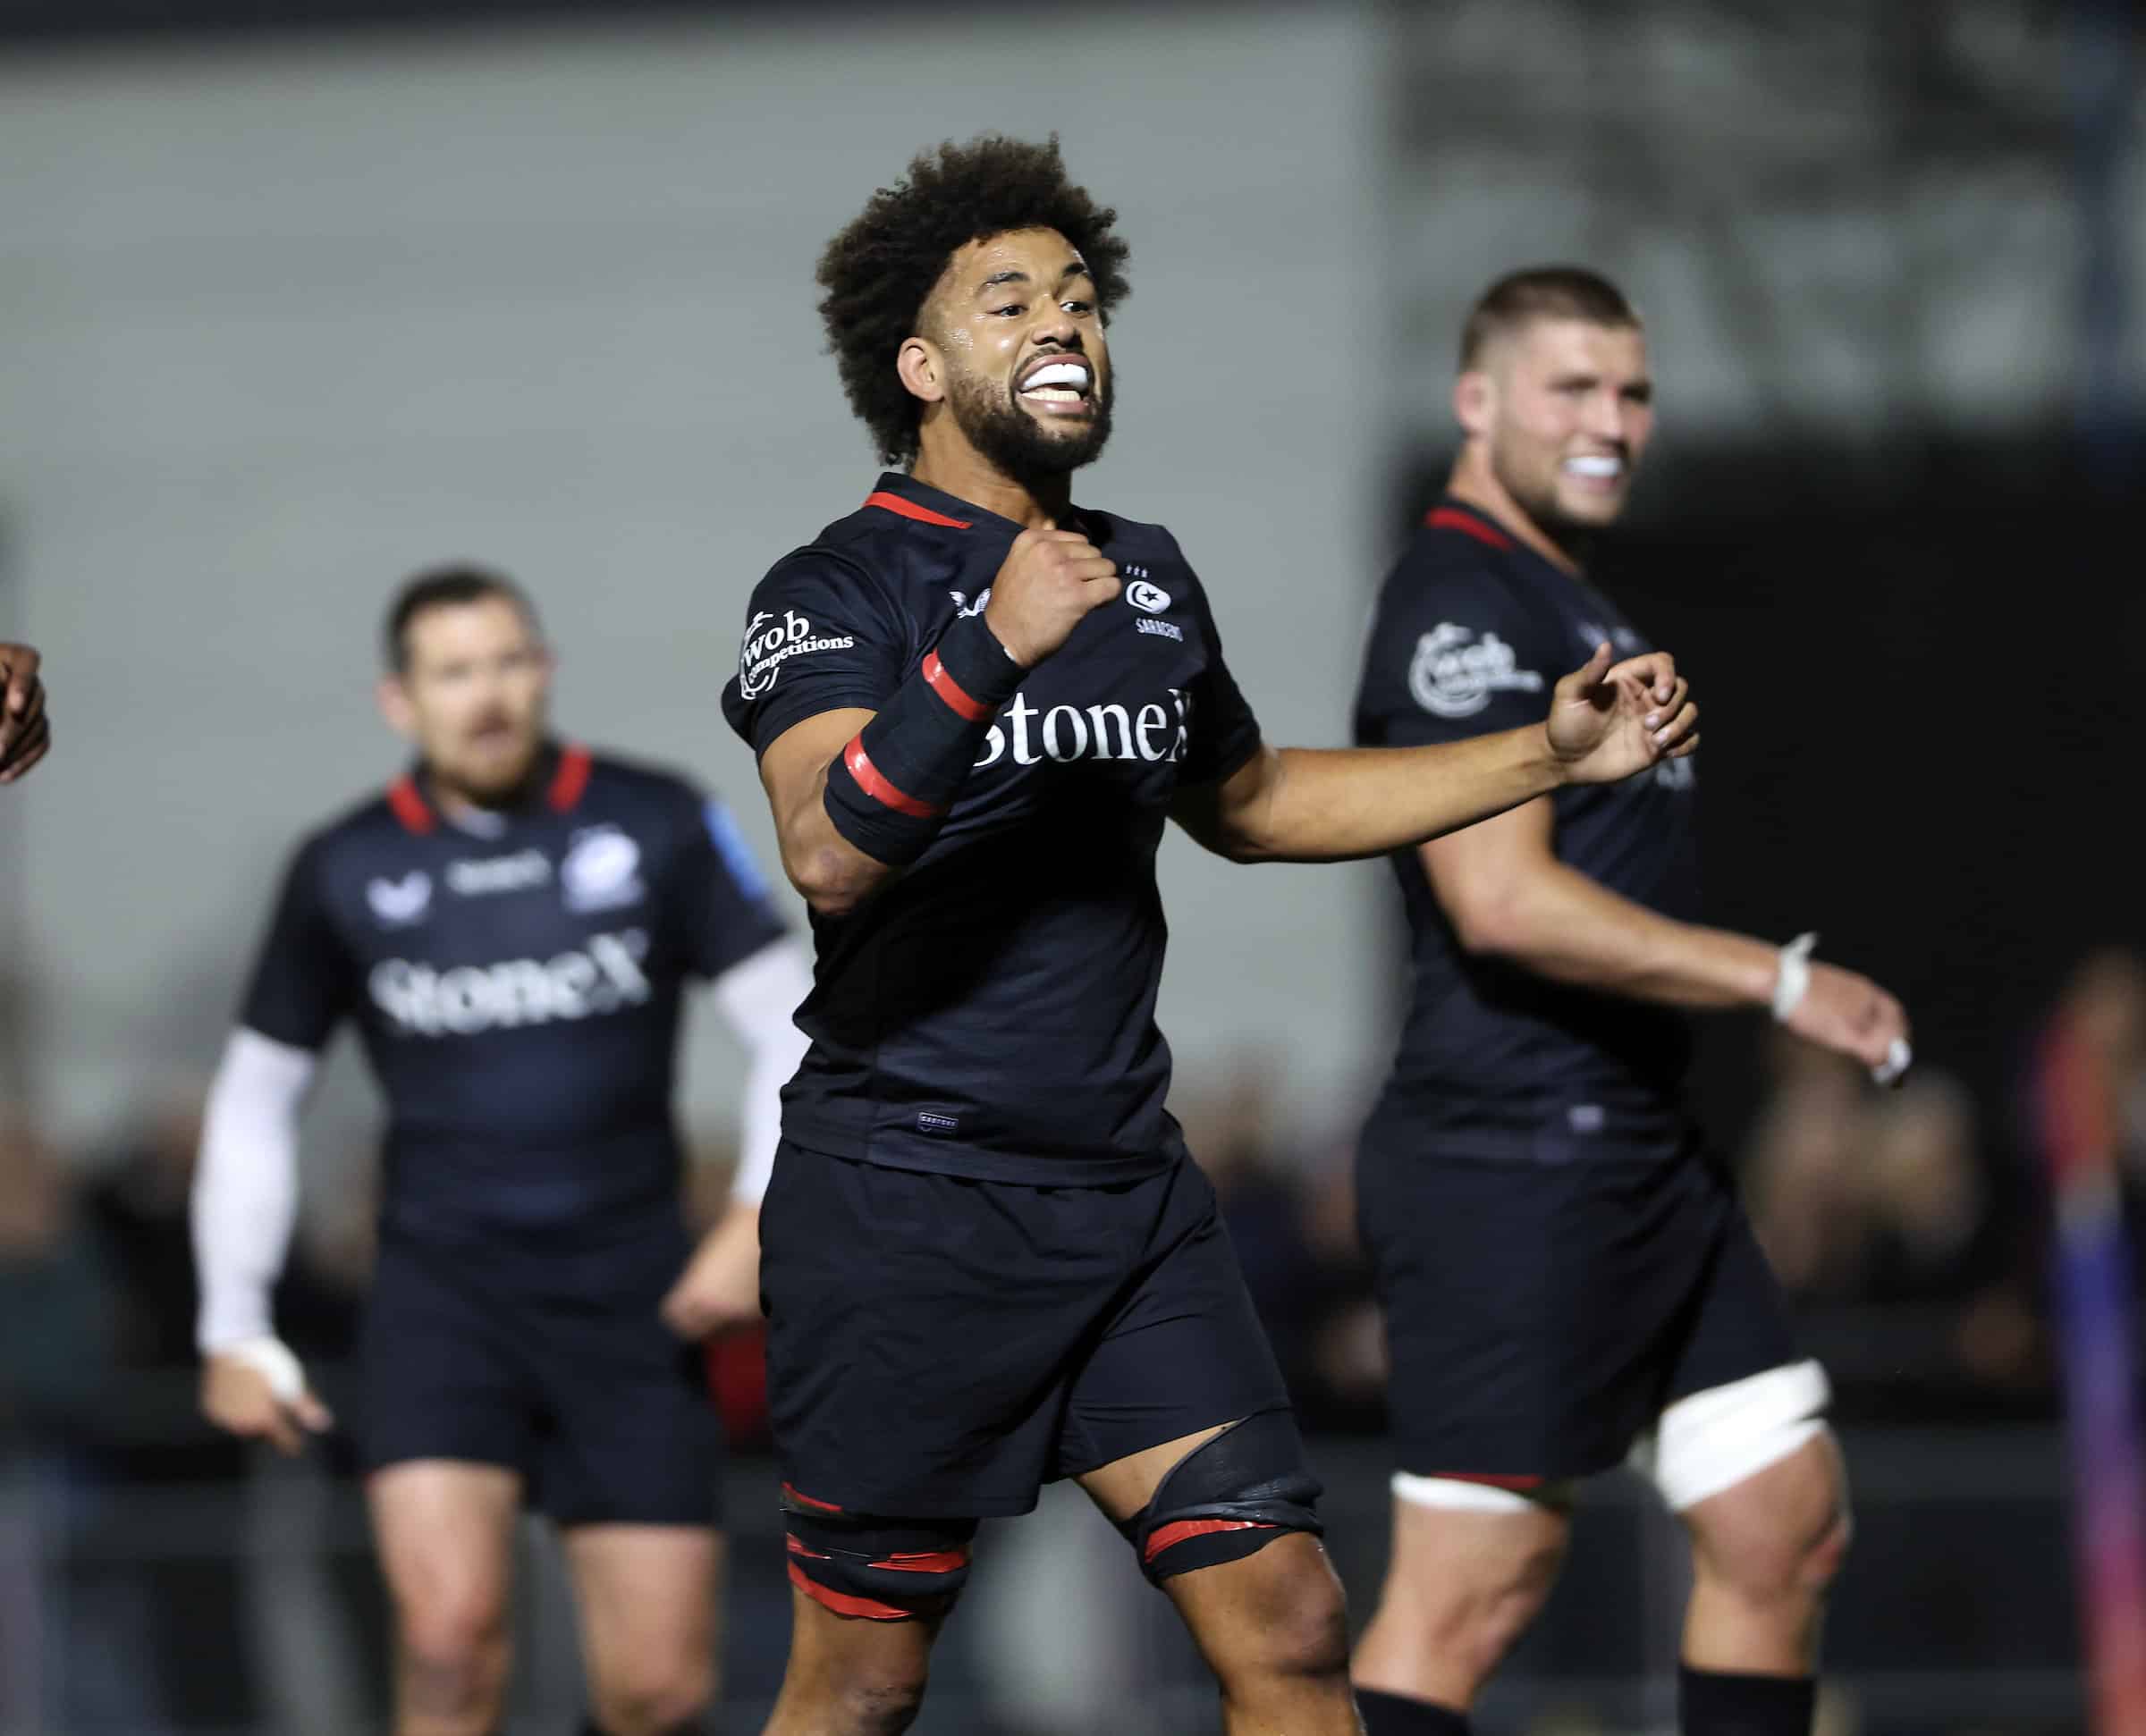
(1454, 671)
(770, 643)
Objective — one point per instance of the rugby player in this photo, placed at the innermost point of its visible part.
(25, 726)
(1564, 1266)
(511, 925)
(987, 1261)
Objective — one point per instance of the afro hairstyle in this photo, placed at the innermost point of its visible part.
(878, 271)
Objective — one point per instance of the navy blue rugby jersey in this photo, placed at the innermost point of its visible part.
(1471, 632)
(990, 1012)
(517, 989)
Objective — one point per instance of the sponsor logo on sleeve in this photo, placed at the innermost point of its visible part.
(964, 608)
(399, 903)
(1455, 670)
(602, 870)
(769, 643)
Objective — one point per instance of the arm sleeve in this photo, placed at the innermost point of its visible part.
(1452, 654)
(303, 980)
(725, 903)
(1225, 733)
(245, 1191)
(821, 635)
(759, 999)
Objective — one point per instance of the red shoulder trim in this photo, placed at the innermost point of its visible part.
(1446, 518)
(409, 806)
(910, 510)
(570, 779)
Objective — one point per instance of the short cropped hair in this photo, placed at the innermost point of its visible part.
(443, 588)
(878, 271)
(1542, 293)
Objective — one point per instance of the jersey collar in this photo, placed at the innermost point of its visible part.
(563, 782)
(910, 499)
(1450, 514)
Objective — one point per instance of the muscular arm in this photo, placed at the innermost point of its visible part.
(1332, 804)
(1507, 895)
(1337, 804)
(831, 874)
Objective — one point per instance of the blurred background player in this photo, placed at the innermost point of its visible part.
(25, 729)
(989, 1263)
(1565, 1268)
(511, 925)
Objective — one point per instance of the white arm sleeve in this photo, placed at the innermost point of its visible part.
(759, 999)
(245, 1198)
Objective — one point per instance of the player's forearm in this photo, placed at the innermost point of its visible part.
(829, 873)
(1336, 804)
(245, 1191)
(1558, 923)
(873, 801)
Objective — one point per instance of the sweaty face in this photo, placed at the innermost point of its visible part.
(1027, 369)
(474, 695)
(1569, 411)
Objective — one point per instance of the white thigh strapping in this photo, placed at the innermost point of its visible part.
(1459, 1495)
(1714, 1439)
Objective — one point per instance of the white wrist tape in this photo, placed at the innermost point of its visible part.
(1793, 980)
(1898, 1059)
(1794, 983)
(271, 1357)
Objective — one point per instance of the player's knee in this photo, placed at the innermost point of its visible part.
(881, 1699)
(454, 1642)
(1229, 1497)
(1822, 1562)
(658, 1698)
(1308, 1631)
(876, 1570)
(1786, 1542)
(1473, 1614)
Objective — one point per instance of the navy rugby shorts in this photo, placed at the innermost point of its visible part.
(940, 1347)
(549, 1360)
(1541, 1312)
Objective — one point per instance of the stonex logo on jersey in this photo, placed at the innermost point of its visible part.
(1155, 734)
(469, 999)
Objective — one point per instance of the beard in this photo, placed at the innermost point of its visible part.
(1022, 446)
(1536, 495)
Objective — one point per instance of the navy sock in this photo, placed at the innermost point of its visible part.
(1396, 1714)
(1714, 1704)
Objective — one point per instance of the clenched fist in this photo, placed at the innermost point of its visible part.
(1050, 580)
